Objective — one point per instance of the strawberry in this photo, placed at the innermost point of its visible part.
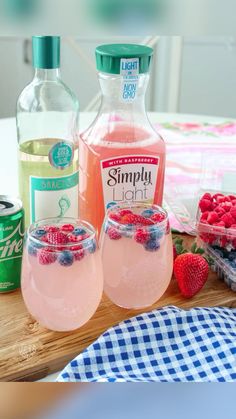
(191, 271)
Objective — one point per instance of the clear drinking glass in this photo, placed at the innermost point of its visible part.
(62, 280)
(137, 255)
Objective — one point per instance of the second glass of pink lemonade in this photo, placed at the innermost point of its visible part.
(122, 157)
(62, 279)
(137, 254)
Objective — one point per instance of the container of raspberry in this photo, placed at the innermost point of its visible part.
(216, 220)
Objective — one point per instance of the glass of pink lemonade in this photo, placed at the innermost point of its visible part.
(62, 279)
(137, 254)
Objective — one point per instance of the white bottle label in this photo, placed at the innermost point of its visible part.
(129, 70)
(54, 197)
(129, 178)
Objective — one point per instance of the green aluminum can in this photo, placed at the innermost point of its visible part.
(11, 243)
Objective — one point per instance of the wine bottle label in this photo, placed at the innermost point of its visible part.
(129, 70)
(129, 178)
(54, 197)
(61, 155)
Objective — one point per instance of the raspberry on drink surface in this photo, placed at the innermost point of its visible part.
(46, 256)
(67, 228)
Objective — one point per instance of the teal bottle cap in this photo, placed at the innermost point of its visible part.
(46, 52)
(108, 57)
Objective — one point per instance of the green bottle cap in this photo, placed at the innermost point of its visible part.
(46, 52)
(108, 57)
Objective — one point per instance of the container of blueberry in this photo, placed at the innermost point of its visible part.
(216, 220)
(224, 264)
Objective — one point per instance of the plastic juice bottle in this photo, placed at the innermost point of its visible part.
(122, 157)
(47, 126)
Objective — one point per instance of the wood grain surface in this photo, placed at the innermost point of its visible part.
(29, 352)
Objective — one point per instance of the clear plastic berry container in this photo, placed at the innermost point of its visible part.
(137, 254)
(62, 279)
(222, 265)
(216, 219)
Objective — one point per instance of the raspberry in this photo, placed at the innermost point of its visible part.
(85, 236)
(233, 202)
(129, 219)
(233, 226)
(57, 238)
(220, 223)
(67, 227)
(220, 211)
(114, 234)
(141, 236)
(223, 241)
(215, 197)
(207, 196)
(158, 217)
(204, 215)
(79, 255)
(115, 217)
(66, 258)
(227, 206)
(143, 221)
(205, 205)
(232, 197)
(46, 256)
(233, 212)
(228, 220)
(52, 229)
(74, 239)
(213, 217)
(124, 212)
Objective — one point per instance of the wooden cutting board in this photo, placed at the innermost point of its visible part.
(29, 352)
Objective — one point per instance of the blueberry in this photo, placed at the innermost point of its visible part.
(152, 245)
(147, 213)
(232, 256)
(111, 204)
(233, 264)
(32, 249)
(128, 231)
(219, 253)
(92, 246)
(156, 233)
(66, 258)
(40, 232)
(78, 231)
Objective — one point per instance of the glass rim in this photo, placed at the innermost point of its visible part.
(137, 204)
(64, 220)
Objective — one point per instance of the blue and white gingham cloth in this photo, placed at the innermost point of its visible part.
(164, 345)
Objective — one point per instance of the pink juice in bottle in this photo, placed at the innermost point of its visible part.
(122, 158)
(62, 280)
(137, 255)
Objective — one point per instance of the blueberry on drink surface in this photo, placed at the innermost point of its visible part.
(78, 231)
(152, 245)
(147, 213)
(66, 258)
(156, 233)
(40, 232)
(92, 246)
(32, 249)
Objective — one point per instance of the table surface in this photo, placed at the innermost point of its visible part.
(29, 352)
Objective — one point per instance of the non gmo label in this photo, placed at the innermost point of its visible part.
(61, 155)
(129, 178)
(54, 197)
(129, 69)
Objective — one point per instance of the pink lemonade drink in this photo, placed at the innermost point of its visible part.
(137, 255)
(62, 279)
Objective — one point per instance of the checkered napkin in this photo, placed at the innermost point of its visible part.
(164, 345)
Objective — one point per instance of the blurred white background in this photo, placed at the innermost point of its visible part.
(189, 75)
